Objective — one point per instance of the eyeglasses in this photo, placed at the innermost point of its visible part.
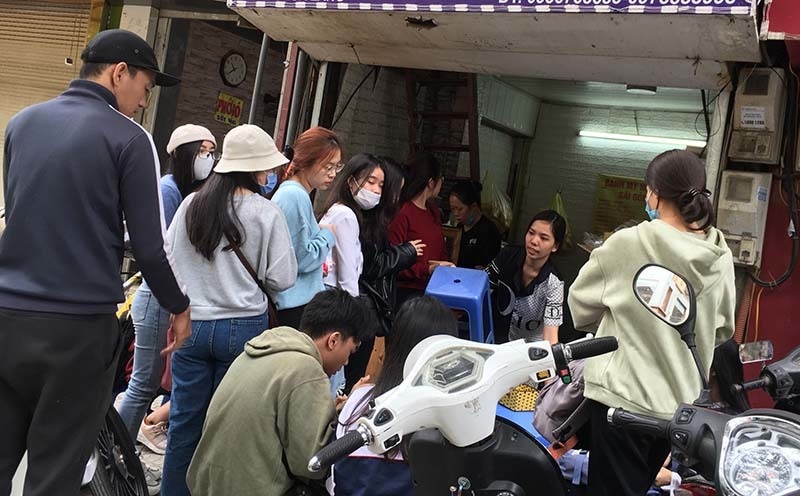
(204, 153)
(334, 167)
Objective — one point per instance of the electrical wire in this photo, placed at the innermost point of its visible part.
(347, 102)
(704, 111)
(758, 309)
(787, 181)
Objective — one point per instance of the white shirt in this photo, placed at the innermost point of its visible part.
(345, 261)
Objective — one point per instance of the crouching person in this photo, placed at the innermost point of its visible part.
(273, 409)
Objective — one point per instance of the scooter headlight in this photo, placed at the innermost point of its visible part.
(453, 370)
(760, 456)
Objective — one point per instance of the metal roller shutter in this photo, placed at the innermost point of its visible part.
(35, 40)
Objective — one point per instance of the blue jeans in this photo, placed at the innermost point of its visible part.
(337, 382)
(151, 323)
(197, 369)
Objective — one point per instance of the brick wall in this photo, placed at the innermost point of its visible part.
(201, 81)
(375, 120)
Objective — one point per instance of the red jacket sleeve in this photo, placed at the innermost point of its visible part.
(398, 234)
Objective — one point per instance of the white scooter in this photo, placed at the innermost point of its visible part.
(445, 411)
(756, 453)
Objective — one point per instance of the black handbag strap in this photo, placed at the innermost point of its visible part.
(272, 312)
(249, 268)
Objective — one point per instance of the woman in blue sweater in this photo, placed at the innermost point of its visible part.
(192, 151)
(316, 158)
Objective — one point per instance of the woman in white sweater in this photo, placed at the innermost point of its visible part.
(212, 235)
(356, 191)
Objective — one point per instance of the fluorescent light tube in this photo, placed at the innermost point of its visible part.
(644, 139)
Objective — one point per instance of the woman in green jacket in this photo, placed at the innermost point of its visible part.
(652, 371)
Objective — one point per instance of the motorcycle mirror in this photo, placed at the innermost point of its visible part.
(757, 351)
(671, 298)
(666, 295)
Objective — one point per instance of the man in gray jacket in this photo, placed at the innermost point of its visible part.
(73, 167)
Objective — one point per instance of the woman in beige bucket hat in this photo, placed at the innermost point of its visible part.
(228, 215)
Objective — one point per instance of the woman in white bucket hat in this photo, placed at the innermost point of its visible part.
(225, 220)
(192, 151)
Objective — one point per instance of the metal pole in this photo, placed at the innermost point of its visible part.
(287, 90)
(297, 96)
(262, 61)
(319, 93)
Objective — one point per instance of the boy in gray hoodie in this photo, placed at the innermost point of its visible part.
(273, 410)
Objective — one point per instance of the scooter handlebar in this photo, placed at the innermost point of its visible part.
(760, 383)
(590, 347)
(638, 422)
(338, 449)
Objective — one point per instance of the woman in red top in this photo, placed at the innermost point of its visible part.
(419, 219)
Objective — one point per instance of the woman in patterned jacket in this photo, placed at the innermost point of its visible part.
(527, 292)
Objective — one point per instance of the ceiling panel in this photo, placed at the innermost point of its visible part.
(599, 94)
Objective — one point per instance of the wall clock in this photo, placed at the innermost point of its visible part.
(233, 68)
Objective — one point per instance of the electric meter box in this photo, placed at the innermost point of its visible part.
(742, 213)
(758, 116)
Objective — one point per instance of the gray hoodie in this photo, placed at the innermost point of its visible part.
(222, 288)
(653, 370)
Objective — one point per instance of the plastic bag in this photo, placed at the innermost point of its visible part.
(496, 203)
(558, 205)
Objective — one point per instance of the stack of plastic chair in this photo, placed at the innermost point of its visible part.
(467, 290)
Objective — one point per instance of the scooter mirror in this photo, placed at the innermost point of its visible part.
(671, 298)
(757, 351)
(664, 293)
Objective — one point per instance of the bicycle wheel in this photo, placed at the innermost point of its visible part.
(119, 471)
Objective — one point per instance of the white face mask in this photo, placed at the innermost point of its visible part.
(203, 166)
(367, 199)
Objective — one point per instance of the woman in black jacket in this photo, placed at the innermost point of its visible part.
(381, 263)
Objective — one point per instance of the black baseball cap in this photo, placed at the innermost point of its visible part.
(118, 45)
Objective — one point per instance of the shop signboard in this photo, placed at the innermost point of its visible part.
(228, 109)
(618, 200)
(743, 7)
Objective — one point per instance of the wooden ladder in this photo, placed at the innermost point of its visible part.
(449, 103)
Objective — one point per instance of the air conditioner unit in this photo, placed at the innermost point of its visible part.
(758, 114)
(742, 213)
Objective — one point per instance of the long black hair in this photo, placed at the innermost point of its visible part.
(422, 168)
(181, 165)
(417, 319)
(680, 176)
(212, 214)
(393, 179)
(358, 169)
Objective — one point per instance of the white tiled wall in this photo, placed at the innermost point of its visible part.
(560, 159)
(504, 104)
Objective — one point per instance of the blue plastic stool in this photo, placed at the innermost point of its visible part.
(468, 290)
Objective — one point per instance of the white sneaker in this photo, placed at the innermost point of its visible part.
(154, 436)
(152, 477)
